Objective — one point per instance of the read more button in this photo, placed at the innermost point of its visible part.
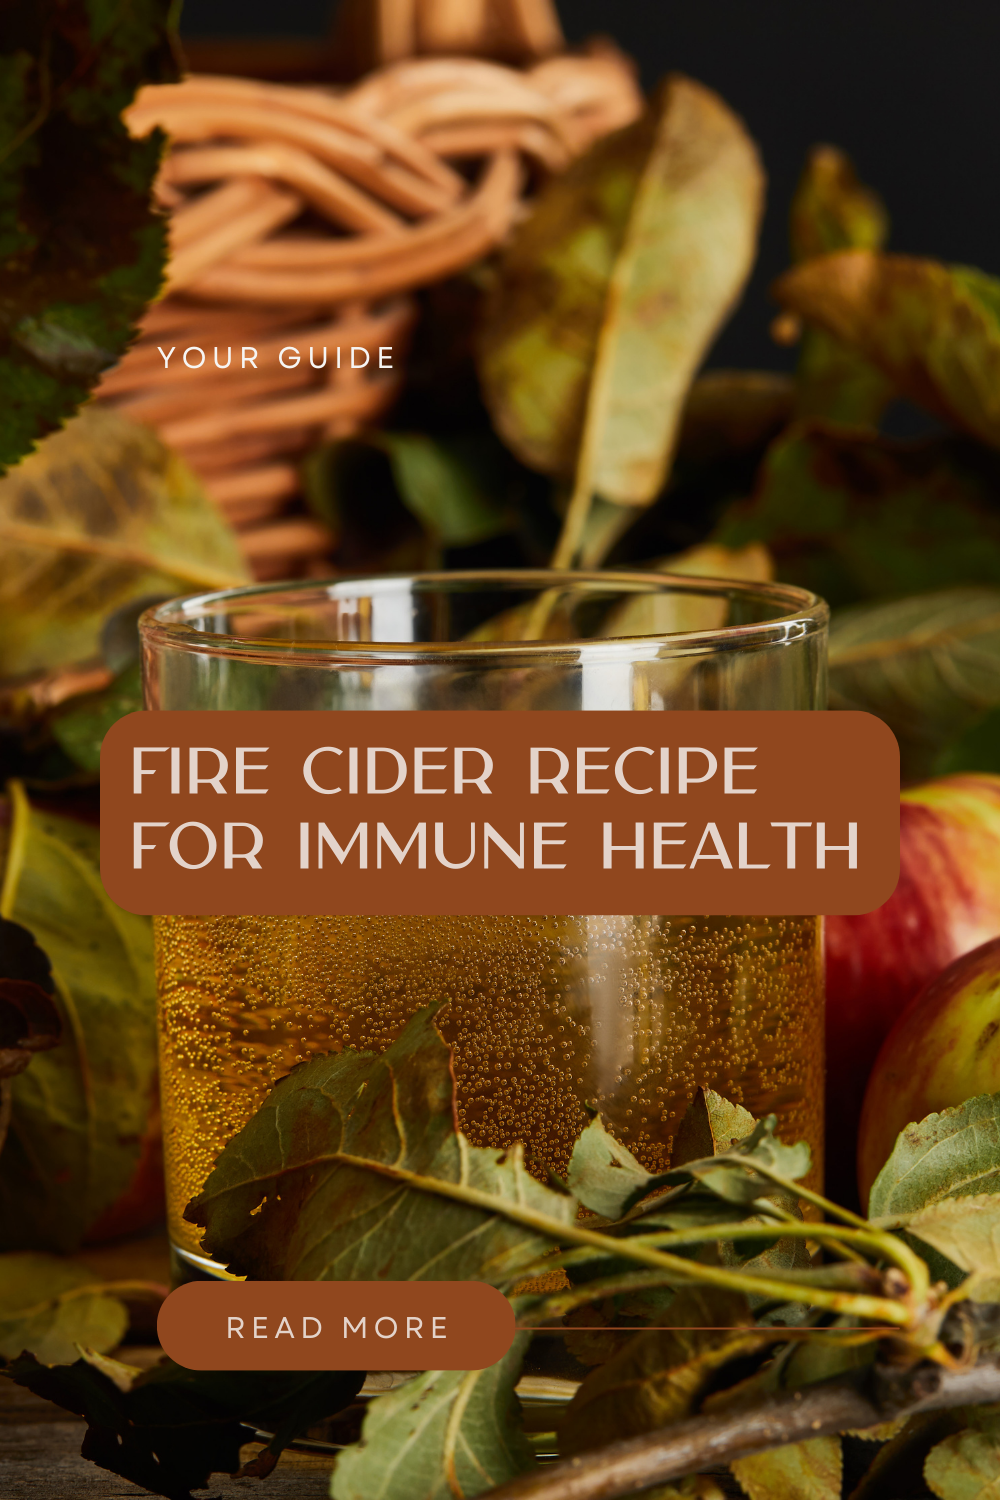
(336, 1325)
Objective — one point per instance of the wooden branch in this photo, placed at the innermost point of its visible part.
(636, 1464)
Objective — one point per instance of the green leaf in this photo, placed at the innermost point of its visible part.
(832, 210)
(934, 330)
(353, 1169)
(966, 1466)
(80, 1112)
(81, 248)
(391, 497)
(542, 321)
(452, 486)
(49, 1305)
(607, 1179)
(929, 666)
(855, 516)
(800, 1471)
(610, 296)
(710, 1124)
(103, 513)
(954, 1154)
(731, 1174)
(80, 727)
(447, 1433)
(965, 1229)
(169, 1429)
(661, 1374)
(604, 1174)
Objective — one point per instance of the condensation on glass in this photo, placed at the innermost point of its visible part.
(545, 1014)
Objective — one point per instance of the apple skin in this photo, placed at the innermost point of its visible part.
(947, 902)
(144, 1201)
(944, 1049)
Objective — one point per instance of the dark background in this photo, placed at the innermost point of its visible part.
(908, 87)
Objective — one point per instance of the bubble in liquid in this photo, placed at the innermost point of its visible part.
(545, 1015)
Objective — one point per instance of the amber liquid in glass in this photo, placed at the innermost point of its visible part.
(544, 1013)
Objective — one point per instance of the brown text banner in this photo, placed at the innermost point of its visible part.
(454, 813)
(336, 1325)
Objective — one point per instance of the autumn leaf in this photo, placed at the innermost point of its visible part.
(800, 1471)
(608, 299)
(81, 249)
(928, 665)
(102, 514)
(933, 330)
(953, 1154)
(80, 1112)
(854, 516)
(444, 1434)
(49, 1305)
(832, 210)
(604, 1174)
(353, 1168)
(966, 1230)
(711, 1124)
(966, 1465)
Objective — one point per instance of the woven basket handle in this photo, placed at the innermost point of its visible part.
(370, 33)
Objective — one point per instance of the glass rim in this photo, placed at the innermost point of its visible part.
(802, 614)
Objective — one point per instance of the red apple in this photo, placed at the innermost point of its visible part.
(944, 1049)
(143, 1202)
(947, 902)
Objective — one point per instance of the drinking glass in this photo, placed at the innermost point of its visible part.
(545, 1014)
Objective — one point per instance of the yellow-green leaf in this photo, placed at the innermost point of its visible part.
(687, 251)
(832, 210)
(929, 666)
(448, 1433)
(49, 1305)
(80, 1112)
(966, 1230)
(934, 330)
(611, 296)
(965, 1466)
(100, 514)
(802, 1471)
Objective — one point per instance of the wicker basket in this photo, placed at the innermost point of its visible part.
(301, 219)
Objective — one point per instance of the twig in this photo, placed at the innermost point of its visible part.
(636, 1464)
(905, 1312)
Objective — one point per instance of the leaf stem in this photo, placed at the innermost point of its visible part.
(878, 1309)
(16, 847)
(794, 1189)
(883, 1246)
(567, 550)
